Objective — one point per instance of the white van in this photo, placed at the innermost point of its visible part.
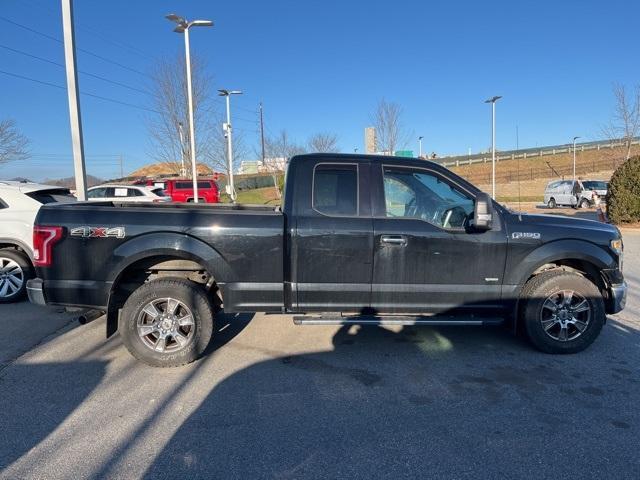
(560, 192)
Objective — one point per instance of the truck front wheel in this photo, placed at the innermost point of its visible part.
(167, 322)
(563, 312)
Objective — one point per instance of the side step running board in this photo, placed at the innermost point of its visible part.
(395, 320)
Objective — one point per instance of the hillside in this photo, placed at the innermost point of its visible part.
(165, 169)
(537, 167)
(70, 182)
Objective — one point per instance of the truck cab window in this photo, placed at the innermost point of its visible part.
(335, 190)
(418, 194)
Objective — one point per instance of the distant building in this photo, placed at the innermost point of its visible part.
(249, 166)
(370, 146)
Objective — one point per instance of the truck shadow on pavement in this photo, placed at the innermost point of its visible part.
(416, 402)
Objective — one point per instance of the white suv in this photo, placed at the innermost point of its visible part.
(126, 193)
(19, 205)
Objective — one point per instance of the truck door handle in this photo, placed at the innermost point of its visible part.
(400, 240)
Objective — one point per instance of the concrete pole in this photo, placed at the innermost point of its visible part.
(74, 100)
(493, 149)
(192, 137)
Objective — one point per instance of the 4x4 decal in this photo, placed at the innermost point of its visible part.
(98, 232)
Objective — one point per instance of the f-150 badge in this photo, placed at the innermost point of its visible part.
(98, 232)
(528, 235)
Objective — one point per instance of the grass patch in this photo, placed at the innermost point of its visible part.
(257, 196)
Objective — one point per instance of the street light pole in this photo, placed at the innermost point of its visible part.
(74, 100)
(228, 129)
(574, 156)
(183, 27)
(493, 101)
(420, 146)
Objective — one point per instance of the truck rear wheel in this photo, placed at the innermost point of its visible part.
(167, 322)
(563, 312)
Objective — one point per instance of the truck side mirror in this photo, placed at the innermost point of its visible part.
(483, 212)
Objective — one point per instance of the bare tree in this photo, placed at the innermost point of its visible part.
(169, 100)
(323, 142)
(215, 151)
(278, 151)
(390, 132)
(13, 144)
(625, 124)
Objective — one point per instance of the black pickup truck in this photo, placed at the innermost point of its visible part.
(359, 239)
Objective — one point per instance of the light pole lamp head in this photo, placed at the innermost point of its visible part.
(420, 137)
(575, 138)
(225, 93)
(183, 24)
(493, 99)
(201, 23)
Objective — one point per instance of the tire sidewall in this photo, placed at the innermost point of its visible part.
(547, 286)
(189, 293)
(551, 203)
(27, 272)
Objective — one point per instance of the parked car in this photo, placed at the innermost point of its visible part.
(562, 193)
(377, 239)
(181, 190)
(19, 204)
(127, 193)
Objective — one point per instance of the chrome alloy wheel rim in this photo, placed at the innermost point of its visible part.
(11, 277)
(565, 315)
(165, 325)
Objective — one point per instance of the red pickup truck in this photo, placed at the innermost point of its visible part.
(181, 190)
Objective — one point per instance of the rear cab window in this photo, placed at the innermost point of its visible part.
(335, 189)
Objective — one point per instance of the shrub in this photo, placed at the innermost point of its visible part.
(623, 198)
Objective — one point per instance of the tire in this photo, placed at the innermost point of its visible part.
(544, 325)
(15, 270)
(584, 203)
(176, 316)
(552, 203)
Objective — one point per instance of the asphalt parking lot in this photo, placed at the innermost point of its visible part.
(273, 400)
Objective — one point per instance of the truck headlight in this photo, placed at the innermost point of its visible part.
(617, 247)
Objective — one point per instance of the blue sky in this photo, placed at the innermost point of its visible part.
(322, 66)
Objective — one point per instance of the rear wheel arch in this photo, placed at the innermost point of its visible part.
(157, 266)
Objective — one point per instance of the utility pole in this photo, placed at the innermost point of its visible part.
(262, 133)
(74, 100)
(420, 146)
(121, 167)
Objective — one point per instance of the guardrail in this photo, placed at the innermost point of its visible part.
(460, 160)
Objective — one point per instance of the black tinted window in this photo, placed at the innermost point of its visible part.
(96, 193)
(2, 204)
(189, 185)
(61, 195)
(134, 192)
(335, 189)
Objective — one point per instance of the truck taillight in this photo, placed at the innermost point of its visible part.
(44, 238)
